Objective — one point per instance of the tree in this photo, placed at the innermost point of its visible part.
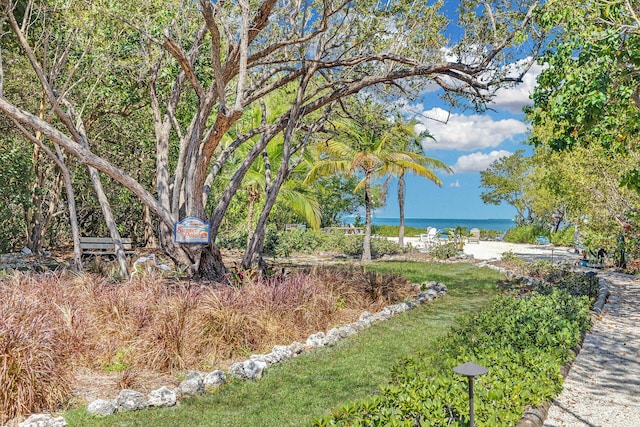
(404, 141)
(589, 93)
(370, 148)
(507, 180)
(586, 104)
(207, 63)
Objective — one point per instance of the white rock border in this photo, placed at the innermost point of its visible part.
(196, 383)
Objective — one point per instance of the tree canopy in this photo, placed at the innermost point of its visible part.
(168, 81)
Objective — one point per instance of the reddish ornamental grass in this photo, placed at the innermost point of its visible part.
(54, 323)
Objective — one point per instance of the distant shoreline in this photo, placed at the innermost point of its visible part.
(442, 223)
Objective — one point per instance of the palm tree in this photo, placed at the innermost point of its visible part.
(402, 136)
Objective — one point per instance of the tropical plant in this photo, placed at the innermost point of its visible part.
(205, 64)
(403, 138)
(359, 148)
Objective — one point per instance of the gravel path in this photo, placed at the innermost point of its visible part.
(603, 386)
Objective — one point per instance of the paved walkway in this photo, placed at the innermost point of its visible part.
(603, 386)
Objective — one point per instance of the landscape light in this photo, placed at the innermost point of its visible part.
(470, 370)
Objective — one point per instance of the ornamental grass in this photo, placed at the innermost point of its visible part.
(55, 323)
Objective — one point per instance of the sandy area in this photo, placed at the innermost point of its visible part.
(493, 250)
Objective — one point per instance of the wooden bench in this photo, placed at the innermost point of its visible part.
(103, 246)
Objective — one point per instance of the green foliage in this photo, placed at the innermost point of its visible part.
(523, 342)
(564, 237)
(445, 251)
(309, 241)
(529, 233)
(337, 198)
(525, 234)
(507, 181)
(15, 194)
(393, 230)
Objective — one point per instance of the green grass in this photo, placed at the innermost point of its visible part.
(295, 392)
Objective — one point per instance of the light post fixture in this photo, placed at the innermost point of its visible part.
(470, 370)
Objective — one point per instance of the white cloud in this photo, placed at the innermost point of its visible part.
(477, 162)
(455, 184)
(466, 133)
(515, 98)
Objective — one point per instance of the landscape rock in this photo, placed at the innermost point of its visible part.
(43, 420)
(130, 400)
(365, 315)
(280, 353)
(316, 340)
(334, 335)
(162, 397)
(101, 407)
(26, 251)
(296, 348)
(248, 370)
(215, 379)
(193, 384)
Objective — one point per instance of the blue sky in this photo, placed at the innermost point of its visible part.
(466, 141)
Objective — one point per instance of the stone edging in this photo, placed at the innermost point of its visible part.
(196, 383)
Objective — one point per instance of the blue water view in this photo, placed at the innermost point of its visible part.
(442, 223)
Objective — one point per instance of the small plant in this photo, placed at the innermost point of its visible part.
(118, 363)
(445, 251)
(525, 234)
(129, 378)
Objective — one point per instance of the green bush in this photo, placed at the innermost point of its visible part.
(564, 237)
(284, 244)
(523, 342)
(529, 233)
(445, 251)
(236, 239)
(525, 234)
(394, 230)
(352, 246)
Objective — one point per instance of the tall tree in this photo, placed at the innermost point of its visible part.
(364, 149)
(208, 62)
(406, 142)
(508, 180)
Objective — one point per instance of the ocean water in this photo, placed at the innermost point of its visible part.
(442, 223)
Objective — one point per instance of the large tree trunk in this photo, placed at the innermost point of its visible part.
(211, 264)
(366, 243)
(401, 193)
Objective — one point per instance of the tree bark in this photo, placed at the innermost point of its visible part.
(366, 242)
(401, 194)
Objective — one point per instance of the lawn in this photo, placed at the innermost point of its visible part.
(307, 387)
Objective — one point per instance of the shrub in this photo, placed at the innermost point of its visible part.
(525, 234)
(564, 237)
(445, 251)
(352, 246)
(523, 342)
(35, 348)
(394, 230)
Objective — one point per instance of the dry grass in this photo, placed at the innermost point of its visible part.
(55, 323)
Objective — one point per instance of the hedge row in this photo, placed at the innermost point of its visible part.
(522, 341)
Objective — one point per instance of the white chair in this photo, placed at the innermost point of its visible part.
(431, 238)
(474, 235)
